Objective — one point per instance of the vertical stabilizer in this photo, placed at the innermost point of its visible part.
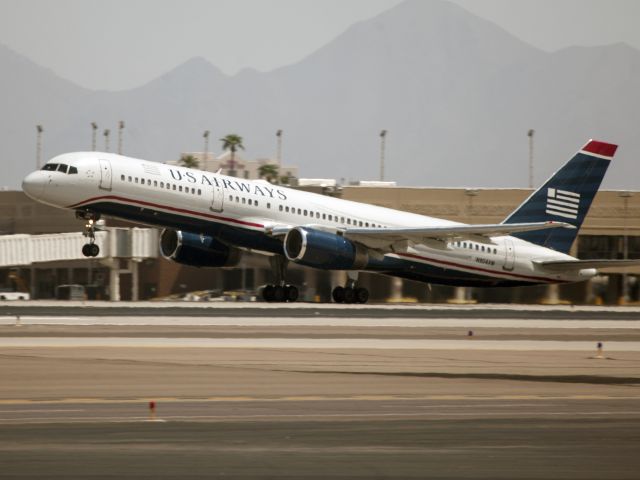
(565, 197)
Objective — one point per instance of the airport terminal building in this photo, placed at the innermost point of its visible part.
(34, 257)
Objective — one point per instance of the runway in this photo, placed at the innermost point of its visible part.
(267, 395)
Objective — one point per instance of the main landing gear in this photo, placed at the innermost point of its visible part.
(89, 249)
(280, 291)
(350, 293)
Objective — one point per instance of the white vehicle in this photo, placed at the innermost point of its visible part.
(8, 294)
(210, 218)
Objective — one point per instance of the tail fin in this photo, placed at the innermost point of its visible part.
(565, 197)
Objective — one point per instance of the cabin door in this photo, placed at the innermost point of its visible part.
(510, 254)
(105, 174)
(218, 198)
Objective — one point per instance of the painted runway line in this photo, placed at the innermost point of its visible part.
(314, 343)
(82, 320)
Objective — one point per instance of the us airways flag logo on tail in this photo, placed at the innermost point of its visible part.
(562, 203)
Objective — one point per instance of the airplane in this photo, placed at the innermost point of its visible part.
(209, 219)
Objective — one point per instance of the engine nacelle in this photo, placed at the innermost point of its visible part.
(319, 249)
(196, 250)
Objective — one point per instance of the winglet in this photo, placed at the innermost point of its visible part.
(600, 148)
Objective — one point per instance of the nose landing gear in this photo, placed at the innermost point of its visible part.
(90, 249)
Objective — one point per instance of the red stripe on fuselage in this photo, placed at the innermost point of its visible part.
(165, 207)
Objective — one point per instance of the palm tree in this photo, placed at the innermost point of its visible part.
(269, 172)
(232, 142)
(189, 161)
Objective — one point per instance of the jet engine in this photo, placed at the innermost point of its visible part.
(196, 250)
(326, 250)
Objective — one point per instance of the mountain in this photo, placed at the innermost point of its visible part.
(456, 93)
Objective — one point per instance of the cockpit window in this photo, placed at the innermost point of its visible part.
(72, 170)
(52, 167)
(63, 168)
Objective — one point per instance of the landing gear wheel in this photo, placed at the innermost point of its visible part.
(349, 295)
(268, 294)
(86, 250)
(361, 295)
(278, 294)
(94, 250)
(338, 294)
(290, 293)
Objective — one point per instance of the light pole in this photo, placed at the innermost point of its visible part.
(470, 193)
(625, 243)
(530, 134)
(383, 136)
(120, 129)
(94, 129)
(205, 135)
(39, 131)
(279, 146)
(106, 139)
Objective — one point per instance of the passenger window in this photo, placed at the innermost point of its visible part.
(360, 223)
(286, 209)
(168, 186)
(122, 177)
(495, 251)
(51, 167)
(136, 179)
(324, 216)
(199, 192)
(482, 248)
(305, 213)
(129, 178)
(250, 202)
(193, 190)
(317, 214)
(341, 219)
(149, 182)
(255, 203)
(180, 188)
(280, 208)
(161, 184)
(331, 218)
(155, 183)
(231, 198)
(244, 200)
(174, 187)
(299, 212)
(73, 170)
(237, 199)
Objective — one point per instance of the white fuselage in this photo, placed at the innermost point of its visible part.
(182, 198)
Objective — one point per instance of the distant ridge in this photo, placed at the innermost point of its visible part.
(456, 93)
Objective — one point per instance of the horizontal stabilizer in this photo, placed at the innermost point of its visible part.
(566, 265)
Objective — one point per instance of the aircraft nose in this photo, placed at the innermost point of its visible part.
(33, 184)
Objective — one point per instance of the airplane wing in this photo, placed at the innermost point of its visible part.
(565, 265)
(453, 231)
(383, 239)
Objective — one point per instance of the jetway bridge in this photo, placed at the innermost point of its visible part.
(121, 250)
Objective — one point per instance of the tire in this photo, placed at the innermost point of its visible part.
(290, 293)
(268, 294)
(94, 250)
(349, 295)
(278, 294)
(338, 294)
(85, 250)
(362, 295)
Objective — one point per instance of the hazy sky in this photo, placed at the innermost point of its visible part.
(119, 44)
